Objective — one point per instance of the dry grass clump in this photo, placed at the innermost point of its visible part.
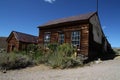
(56, 56)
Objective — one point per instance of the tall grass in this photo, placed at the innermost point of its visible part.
(56, 56)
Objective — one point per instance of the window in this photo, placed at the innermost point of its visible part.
(75, 36)
(46, 38)
(13, 47)
(61, 38)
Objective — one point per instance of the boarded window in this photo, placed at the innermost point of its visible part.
(61, 38)
(46, 38)
(75, 38)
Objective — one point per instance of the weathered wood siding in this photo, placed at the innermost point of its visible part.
(12, 42)
(85, 40)
(95, 38)
(98, 44)
(67, 29)
(67, 36)
(54, 37)
(96, 29)
(93, 42)
(41, 36)
(23, 46)
(94, 48)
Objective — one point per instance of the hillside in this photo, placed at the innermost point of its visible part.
(3, 43)
(117, 50)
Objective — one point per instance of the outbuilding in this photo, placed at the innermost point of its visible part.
(19, 41)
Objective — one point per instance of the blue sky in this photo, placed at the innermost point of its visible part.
(26, 15)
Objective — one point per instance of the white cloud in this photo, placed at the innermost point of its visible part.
(104, 27)
(50, 1)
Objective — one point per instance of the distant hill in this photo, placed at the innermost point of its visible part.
(117, 50)
(3, 43)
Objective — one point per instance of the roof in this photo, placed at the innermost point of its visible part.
(23, 37)
(69, 19)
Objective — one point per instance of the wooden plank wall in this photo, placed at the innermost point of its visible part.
(11, 42)
(95, 49)
(84, 30)
(84, 40)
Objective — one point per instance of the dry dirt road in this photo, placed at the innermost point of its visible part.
(107, 70)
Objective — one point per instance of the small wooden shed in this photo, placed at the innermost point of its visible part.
(19, 41)
(83, 30)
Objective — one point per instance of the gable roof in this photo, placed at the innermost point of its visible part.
(23, 37)
(69, 19)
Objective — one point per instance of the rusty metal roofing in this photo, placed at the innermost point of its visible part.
(23, 37)
(69, 19)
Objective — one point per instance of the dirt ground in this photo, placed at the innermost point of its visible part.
(106, 70)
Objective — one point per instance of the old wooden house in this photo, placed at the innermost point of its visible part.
(83, 30)
(19, 41)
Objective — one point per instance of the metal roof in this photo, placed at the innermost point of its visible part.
(23, 37)
(69, 19)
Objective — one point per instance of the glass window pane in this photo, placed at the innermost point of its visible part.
(61, 38)
(75, 38)
(46, 39)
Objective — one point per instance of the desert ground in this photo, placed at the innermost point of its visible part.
(106, 70)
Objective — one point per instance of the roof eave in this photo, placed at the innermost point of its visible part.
(65, 23)
(8, 38)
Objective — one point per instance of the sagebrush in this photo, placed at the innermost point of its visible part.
(55, 55)
(13, 61)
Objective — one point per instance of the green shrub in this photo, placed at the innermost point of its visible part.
(62, 57)
(39, 57)
(32, 47)
(3, 60)
(55, 60)
(19, 61)
(2, 50)
(66, 49)
(57, 56)
(53, 46)
(59, 61)
(14, 61)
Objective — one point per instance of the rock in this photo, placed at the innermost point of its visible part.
(98, 61)
(4, 71)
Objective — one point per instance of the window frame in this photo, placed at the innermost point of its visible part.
(61, 38)
(75, 38)
(47, 40)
